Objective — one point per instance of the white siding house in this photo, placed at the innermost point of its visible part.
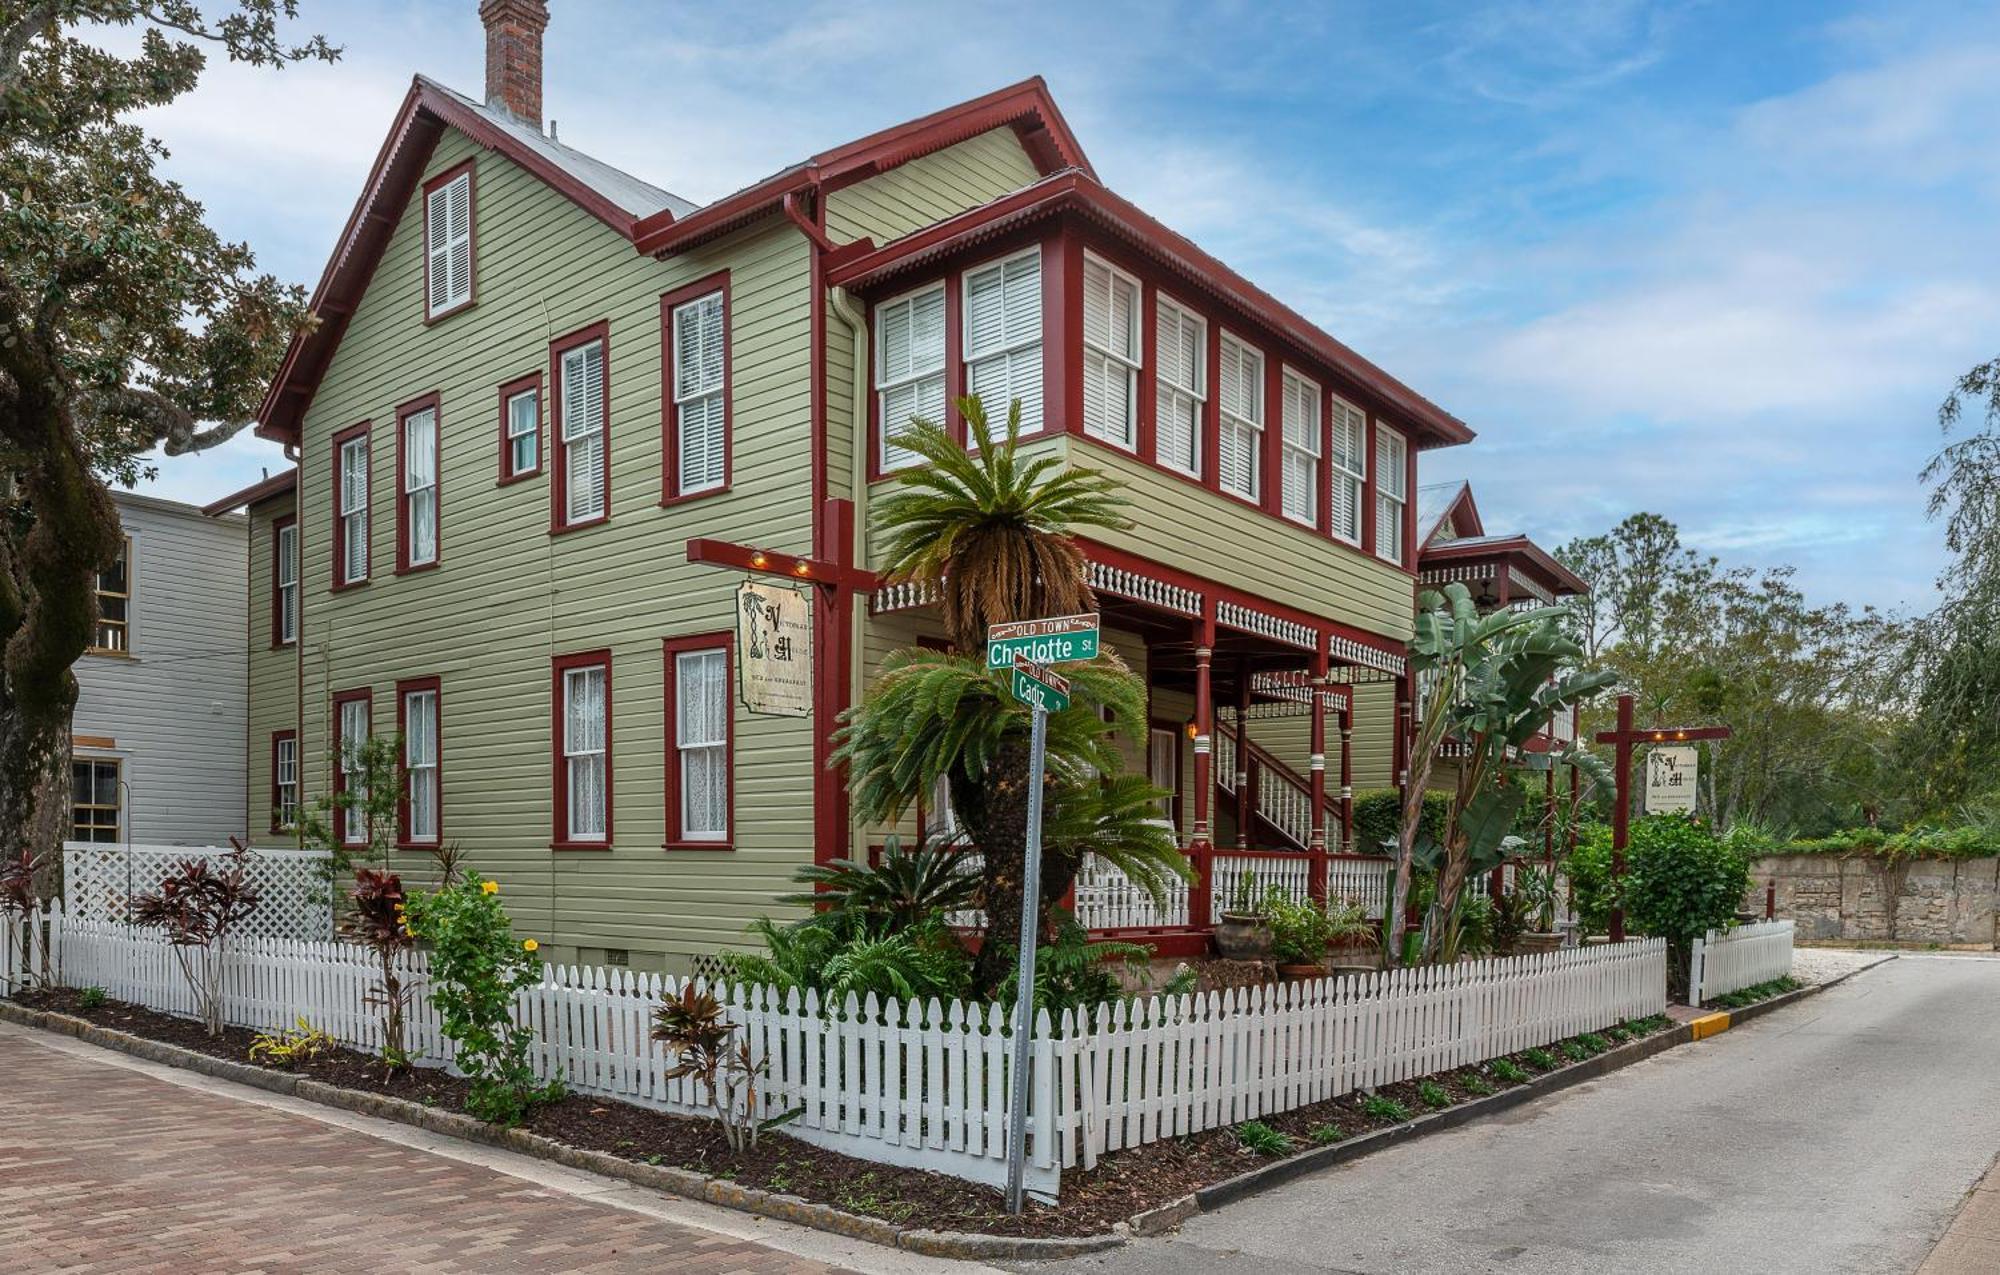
(161, 717)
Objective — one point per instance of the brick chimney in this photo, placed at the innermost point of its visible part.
(514, 56)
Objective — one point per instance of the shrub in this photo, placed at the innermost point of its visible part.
(836, 956)
(289, 1048)
(1589, 870)
(1262, 1138)
(1540, 1059)
(693, 1025)
(1378, 814)
(20, 898)
(198, 907)
(376, 920)
(1434, 1095)
(1681, 883)
(92, 998)
(477, 970)
(1509, 1070)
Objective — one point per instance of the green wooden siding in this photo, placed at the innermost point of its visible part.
(931, 188)
(274, 670)
(508, 596)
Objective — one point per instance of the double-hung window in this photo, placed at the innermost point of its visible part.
(352, 729)
(583, 459)
(1299, 489)
(700, 421)
(351, 509)
(448, 244)
(1003, 341)
(284, 780)
(1180, 345)
(417, 506)
(1239, 449)
(909, 367)
(419, 721)
(1391, 492)
(520, 428)
(114, 605)
(285, 581)
(1349, 470)
(95, 811)
(698, 673)
(583, 777)
(1110, 353)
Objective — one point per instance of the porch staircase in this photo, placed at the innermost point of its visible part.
(1281, 798)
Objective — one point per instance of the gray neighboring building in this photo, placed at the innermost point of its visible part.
(161, 719)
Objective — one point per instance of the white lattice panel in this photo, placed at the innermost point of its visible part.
(295, 897)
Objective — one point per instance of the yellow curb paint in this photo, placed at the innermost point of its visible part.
(1709, 1025)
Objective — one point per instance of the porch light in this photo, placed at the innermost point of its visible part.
(1192, 730)
(760, 559)
(802, 568)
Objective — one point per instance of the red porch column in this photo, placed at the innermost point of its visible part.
(1246, 791)
(1316, 881)
(1200, 847)
(1347, 774)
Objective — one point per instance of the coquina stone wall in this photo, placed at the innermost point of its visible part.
(1861, 898)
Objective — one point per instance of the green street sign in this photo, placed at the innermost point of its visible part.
(1056, 640)
(1039, 687)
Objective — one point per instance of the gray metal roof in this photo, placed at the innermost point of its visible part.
(1433, 500)
(639, 198)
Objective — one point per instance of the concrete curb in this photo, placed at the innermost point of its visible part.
(664, 1178)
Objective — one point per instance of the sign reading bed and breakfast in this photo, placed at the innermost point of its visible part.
(1055, 640)
(1670, 780)
(774, 642)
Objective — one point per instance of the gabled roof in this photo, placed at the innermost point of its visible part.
(862, 265)
(1438, 502)
(1515, 551)
(1026, 107)
(275, 485)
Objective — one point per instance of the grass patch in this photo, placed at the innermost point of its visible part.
(1380, 1108)
(1646, 1026)
(1593, 1042)
(1325, 1135)
(1475, 1084)
(1760, 992)
(1509, 1070)
(1257, 1136)
(1434, 1095)
(1540, 1059)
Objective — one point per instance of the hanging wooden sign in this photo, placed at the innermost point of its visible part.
(774, 648)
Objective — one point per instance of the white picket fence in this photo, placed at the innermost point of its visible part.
(925, 1084)
(1743, 956)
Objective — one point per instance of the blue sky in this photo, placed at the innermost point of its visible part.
(1718, 261)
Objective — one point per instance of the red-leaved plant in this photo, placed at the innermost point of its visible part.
(20, 900)
(376, 920)
(694, 1025)
(199, 907)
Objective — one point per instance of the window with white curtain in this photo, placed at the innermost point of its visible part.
(583, 459)
(1349, 470)
(524, 432)
(420, 487)
(1003, 340)
(699, 410)
(354, 731)
(585, 727)
(448, 259)
(353, 510)
(701, 742)
(909, 367)
(1181, 359)
(1299, 492)
(286, 561)
(1391, 492)
(1111, 353)
(420, 764)
(1240, 446)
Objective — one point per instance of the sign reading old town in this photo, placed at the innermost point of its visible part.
(1039, 686)
(774, 648)
(1051, 641)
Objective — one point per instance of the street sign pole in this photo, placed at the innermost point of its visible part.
(1024, 980)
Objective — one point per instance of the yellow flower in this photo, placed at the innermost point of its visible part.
(489, 887)
(529, 945)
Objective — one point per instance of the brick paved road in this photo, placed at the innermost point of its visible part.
(106, 1169)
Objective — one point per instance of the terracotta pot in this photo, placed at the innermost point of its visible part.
(1243, 936)
(1533, 942)
(1302, 973)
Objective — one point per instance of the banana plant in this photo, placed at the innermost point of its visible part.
(1491, 682)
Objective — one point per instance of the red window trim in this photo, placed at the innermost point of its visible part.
(552, 414)
(472, 225)
(670, 648)
(536, 382)
(405, 688)
(363, 695)
(341, 440)
(559, 838)
(669, 422)
(431, 400)
(278, 525)
(278, 737)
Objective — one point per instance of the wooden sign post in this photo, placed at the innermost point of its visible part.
(1624, 740)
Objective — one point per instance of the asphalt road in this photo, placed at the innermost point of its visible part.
(1836, 1135)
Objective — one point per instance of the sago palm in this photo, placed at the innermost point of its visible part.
(990, 531)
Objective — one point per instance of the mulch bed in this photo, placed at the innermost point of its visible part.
(1122, 1184)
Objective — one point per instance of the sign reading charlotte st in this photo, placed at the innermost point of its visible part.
(1054, 640)
(1039, 687)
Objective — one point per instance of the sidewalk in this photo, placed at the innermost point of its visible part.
(112, 1164)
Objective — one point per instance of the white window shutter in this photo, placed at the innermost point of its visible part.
(583, 430)
(448, 263)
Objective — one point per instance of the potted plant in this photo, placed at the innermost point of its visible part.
(1353, 935)
(1299, 935)
(1537, 887)
(1243, 931)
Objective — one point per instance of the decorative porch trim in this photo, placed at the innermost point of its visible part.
(1264, 624)
(1143, 588)
(1518, 581)
(908, 596)
(1295, 688)
(1347, 651)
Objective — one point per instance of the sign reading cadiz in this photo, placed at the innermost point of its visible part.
(1670, 780)
(1040, 687)
(1052, 641)
(774, 641)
